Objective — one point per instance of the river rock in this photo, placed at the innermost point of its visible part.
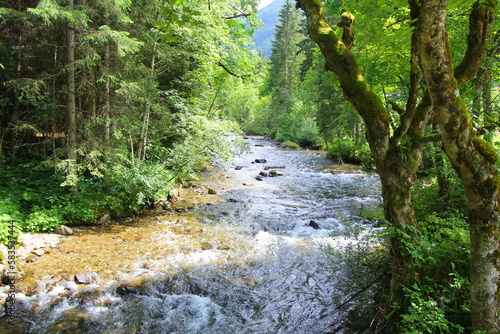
(38, 252)
(260, 161)
(104, 219)
(273, 173)
(9, 277)
(163, 204)
(238, 167)
(20, 305)
(314, 225)
(265, 174)
(63, 230)
(32, 258)
(274, 167)
(212, 191)
(86, 278)
(360, 318)
(258, 178)
(123, 290)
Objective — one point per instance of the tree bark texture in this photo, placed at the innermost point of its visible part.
(473, 158)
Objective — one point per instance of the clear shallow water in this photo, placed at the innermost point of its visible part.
(246, 262)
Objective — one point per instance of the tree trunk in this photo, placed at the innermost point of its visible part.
(107, 117)
(143, 139)
(474, 159)
(107, 103)
(71, 104)
(396, 163)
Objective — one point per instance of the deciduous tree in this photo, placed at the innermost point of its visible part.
(398, 152)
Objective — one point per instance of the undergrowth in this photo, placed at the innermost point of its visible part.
(34, 199)
(438, 300)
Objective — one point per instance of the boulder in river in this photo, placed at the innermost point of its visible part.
(274, 173)
(212, 191)
(123, 290)
(265, 174)
(86, 278)
(63, 230)
(233, 200)
(238, 167)
(260, 161)
(104, 219)
(314, 225)
(38, 252)
(259, 178)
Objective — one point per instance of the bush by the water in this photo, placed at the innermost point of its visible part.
(34, 199)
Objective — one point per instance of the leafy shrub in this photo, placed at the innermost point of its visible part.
(426, 199)
(290, 144)
(347, 151)
(6, 231)
(133, 187)
(42, 220)
(429, 310)
(439, 298)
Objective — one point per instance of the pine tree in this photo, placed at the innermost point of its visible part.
(284, 71)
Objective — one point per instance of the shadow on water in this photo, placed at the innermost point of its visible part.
(246, 260)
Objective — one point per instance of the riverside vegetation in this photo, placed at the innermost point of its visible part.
(106, 105)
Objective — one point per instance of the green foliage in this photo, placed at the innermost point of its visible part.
(42, 220)
(290, 144)
(438, 301)
(133, 187)
(441, 193)
(429, 312)
(347, 151)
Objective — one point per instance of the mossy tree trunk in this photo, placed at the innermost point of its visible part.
(474, 159)
(396, 156)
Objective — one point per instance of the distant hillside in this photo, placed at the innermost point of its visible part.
(264, 35)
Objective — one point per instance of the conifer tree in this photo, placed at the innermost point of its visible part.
(284, 71)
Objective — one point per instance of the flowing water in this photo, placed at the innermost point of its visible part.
(243, 260)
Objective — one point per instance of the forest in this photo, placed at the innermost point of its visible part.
(107, 105)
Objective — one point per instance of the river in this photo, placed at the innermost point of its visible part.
(237, 254)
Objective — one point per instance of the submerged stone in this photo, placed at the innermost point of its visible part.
(123, 290)
(314, 225)
(63, 230)
(86, 278)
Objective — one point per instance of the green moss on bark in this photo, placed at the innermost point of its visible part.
(486, 150)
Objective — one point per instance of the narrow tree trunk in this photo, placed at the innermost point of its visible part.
(107, 103)
(71, 104)
(474, 159)
(107, 117)
(143, 139)
(141, 151)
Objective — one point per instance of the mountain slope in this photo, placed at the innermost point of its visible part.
(264, 35)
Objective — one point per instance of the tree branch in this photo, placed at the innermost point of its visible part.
(233, 73)
(346, 21)
(354, 86)
(237, 16)
(396, 107)
(479, 19)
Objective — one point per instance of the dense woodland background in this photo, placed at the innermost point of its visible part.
(105, 105)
